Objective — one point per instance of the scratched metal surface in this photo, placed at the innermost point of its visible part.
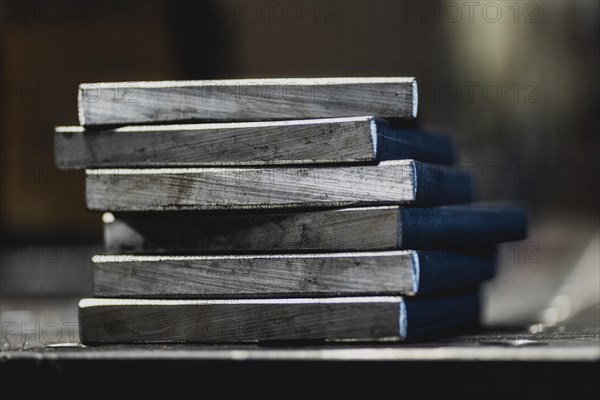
(335, 140)
(242, 276)
(122, 103)
(343, 229)
(358, 318)
(230, 321)
(321, 274)
(389, 182)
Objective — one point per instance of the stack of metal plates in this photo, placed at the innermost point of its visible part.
(279, 209)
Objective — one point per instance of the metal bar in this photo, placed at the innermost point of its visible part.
(255, 320)
(284, 275)
(334, 140)
(346, 229)
(121, 103)
(389, 182)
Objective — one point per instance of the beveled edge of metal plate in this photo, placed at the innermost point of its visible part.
(258, 81)
(109, 217)
(416, 271)
(191, 170)
(122, 258)
(108, 302)
(219, 125)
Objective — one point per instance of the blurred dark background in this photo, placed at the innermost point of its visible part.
(517, 83)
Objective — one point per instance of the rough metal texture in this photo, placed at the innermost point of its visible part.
(122, 103)
(345, 229)
(373, 273)
(251, 320)
(176, 232)
(257, 275)
(124, 321)
(336, 140)
(390, 182)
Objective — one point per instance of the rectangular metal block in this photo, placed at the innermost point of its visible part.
(389, 182)
(284, 275)
(262, 320)
(335, 140)
(123, 103)
(343, 229)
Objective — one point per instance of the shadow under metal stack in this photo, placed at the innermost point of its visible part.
(279, 209)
